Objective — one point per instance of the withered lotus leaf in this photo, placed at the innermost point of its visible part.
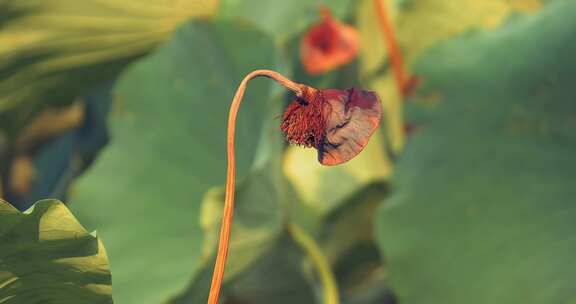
(338, 123)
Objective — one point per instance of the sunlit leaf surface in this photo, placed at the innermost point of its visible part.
(46, 256)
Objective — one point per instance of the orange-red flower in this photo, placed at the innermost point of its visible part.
(328, 44)
(338, 123)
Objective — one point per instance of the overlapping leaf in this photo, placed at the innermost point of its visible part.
(46, 256)
(483, 211)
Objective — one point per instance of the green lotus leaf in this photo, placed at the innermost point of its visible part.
(483, 207)
(46, 256)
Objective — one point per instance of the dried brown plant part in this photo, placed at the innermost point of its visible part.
(353, 118)
(338, 123)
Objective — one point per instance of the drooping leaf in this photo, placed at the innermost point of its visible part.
(483, 209)
(50, 51)
(168, 148)
(46, 256)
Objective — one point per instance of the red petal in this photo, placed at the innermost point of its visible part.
(328, 45)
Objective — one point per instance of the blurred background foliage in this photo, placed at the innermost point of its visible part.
(464, 195)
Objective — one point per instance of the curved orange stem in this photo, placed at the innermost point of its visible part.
(225, 226)
(391, 45)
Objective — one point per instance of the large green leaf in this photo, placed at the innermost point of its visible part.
(168, 148)
(50, 51)
(46, 256)
(484, 207)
